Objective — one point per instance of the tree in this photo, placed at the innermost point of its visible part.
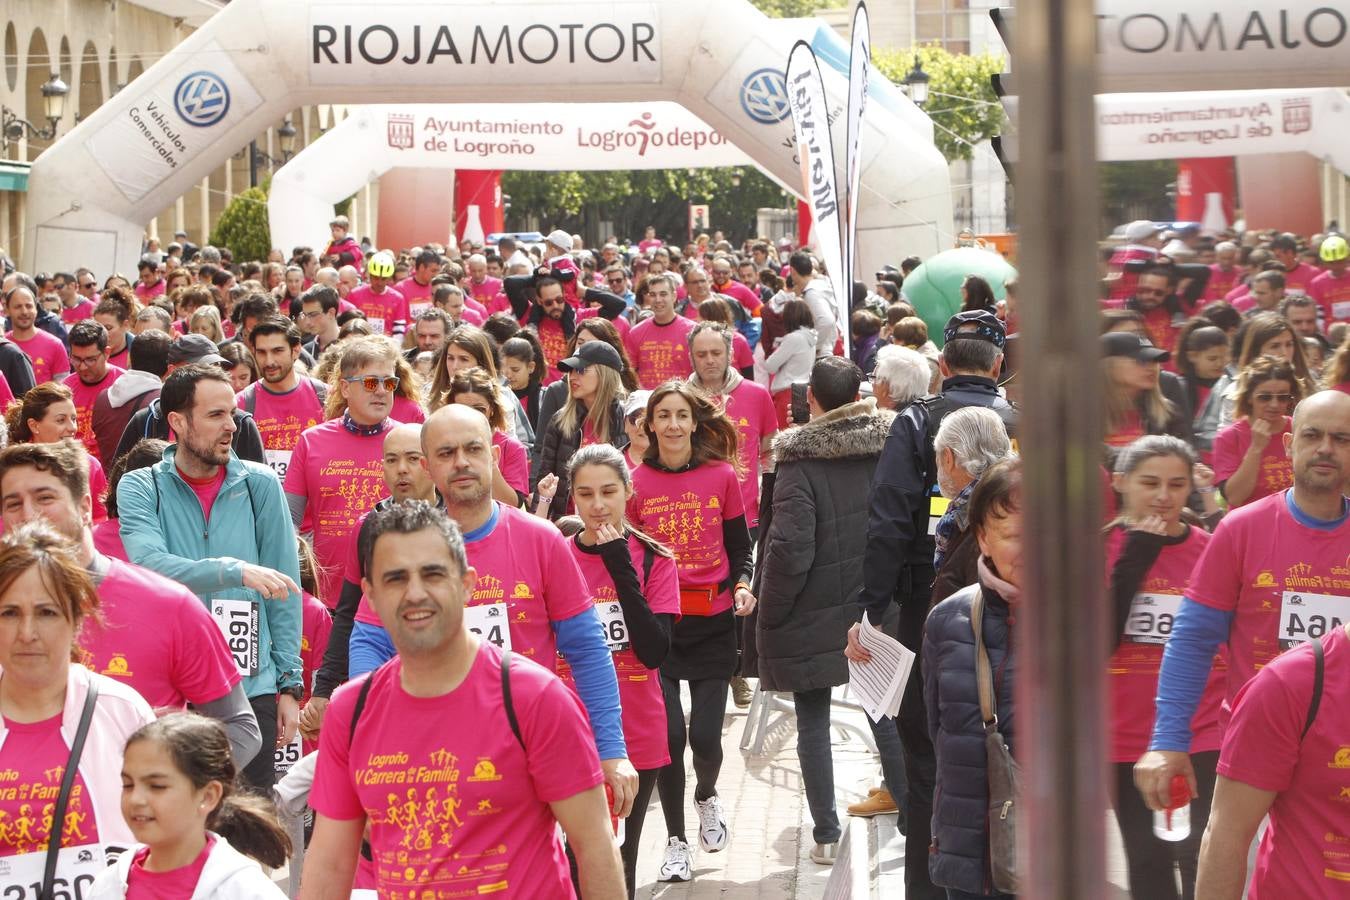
(961, 99)
(243, 228)
(794, 9)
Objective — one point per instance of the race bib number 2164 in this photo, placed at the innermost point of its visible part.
(1306, 617)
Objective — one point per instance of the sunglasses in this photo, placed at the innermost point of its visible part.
(87, 285)
(373, 383)
(1272, 398)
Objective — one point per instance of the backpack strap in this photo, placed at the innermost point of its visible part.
(360, 705)
(506, 699)
(1319, 667)
(251, 399)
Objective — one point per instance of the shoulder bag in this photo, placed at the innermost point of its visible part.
(1004, 774)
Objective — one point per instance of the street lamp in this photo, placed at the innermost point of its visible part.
(257, 158)
(13, 128)
(287, 134)
(917, 83)
(735, 178)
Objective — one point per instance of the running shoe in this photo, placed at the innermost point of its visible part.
(712, 824)
(677, 865)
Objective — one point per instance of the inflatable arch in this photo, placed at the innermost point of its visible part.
(535, 136)
(93, 192)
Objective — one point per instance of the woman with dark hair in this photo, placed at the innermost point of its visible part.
(1201, 360)
(467, 347)
(687, 494)
(866, 329)
(791, 361)
(522, 367)
(511, 475)
(1263, 334)
(45, 415)
(240, 365)
(1250, 461)
(977, 294)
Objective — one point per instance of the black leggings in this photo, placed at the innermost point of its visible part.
(707, 706)
(1153, 863)
(632, 834)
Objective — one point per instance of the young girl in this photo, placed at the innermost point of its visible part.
(687, 493)
(197, 834)
(522, 359)
(316, 624)
(637, 594)
(791, 361)
(1202, 359)
(1150, 554)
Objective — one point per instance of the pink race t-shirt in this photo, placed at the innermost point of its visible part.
(1297, 279)
(459, 812)
(46, 353)
(316, 623)
(98, 488)
(644, 706)
(417, 295)
(33, 758)
(83, 309)
(341, 476)
(1276, 471)
(84, 396)
(108, 540)
(1221, 281)
(1276, 574)
(514, 462)
(685, 511)
(282, 418)
(660, 352)
(158, 637)
(1134, 666)
(407, 411)
(554, 342)
(486, 290)
(750, 408)
(1332, 294)
(381, 310)
(1303, 853)
(143, 884)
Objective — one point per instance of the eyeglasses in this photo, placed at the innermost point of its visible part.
(80, 362)
(552, 301)
(577, 370)
(373, 383)
(1272, 398)
(311, 313)
(87, 285)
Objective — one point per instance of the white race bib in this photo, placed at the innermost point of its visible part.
(238, 621)
(616, 628)
(280, 461)
(285, 757)
(1152, 617)
(376, 326)
(490, 623)
(1306, 617)
(76, 869)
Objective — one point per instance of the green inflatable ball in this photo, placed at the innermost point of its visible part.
(934, 288)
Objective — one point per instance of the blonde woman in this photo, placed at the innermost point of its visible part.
(206, 321)
(1135, 405)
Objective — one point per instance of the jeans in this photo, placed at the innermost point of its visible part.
(369, 648)
(1152, 862)
(813, 752)
(892, 754)
(259, 775)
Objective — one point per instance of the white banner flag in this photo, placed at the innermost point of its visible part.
(859, 70)
(815, 150)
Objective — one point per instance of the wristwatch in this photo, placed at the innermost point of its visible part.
(295, 691)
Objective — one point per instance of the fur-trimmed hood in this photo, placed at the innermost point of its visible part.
(853, 431)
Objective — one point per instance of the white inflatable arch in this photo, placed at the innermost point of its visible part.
(93, 192)
(531, 136)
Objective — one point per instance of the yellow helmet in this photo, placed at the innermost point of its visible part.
(381, 265)
(1334, 249)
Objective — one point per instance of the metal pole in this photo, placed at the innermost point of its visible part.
(253, 164)
(1061, 733)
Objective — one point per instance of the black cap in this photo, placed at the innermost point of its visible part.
(592, 353)
(193, 348)
(975, 324)
(1132, 346)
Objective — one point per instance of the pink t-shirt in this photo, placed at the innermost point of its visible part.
(143, 884)
(621, 324)
(554, 342)
(514, 463)
(46, 353)
(750, 407)
(158, 637)
(1303, 852)
(1333, 295)
(382, 310)
(417, 295)
(660, 352)
(407, 411)
(1260, 560)
(108, 540)
(1276, 471)
(1297, 279)
(282, 418)
(315, 625)
(1221, 282)
(459, 812)
(648, 244)
(146, 294)
(33, 758)
(486, 290)
(83, 309)
(1134, 666)
(341, 476)
(685, 511)
(84, 396)
(98, 488)
(644, 707)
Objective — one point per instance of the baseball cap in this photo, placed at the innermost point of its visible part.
(1132, 346)
(193, 348)
(1140, 230)
(636, 402)
(592, 353)
(975, 324)
(560, 239)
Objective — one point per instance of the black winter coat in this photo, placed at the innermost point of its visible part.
(959, 855)
(557, 449)
(813, 550)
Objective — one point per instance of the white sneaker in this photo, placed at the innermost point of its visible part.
(825, 854)
(677, 865)
(712, 824)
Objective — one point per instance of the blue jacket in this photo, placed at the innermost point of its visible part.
(163, 529)
(959, 855)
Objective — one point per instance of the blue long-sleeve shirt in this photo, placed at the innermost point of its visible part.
(1197, 633)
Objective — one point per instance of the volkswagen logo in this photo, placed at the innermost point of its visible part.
(764, 96)
(202, 99)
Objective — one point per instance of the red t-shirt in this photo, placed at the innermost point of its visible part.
(515, 461)
(381, 310)
(206, 489)
(341, 476)
(143, 884)
(1297, 279)
(685, 511)
(644, 707)
(1230, 446)
(1333, 296)
(750, 408)
(158, 637)
(660, 352)
(1221, 281)
(46, 353)
(282, 418)
(554, 342)
(1134, 665)
(84, 396)
(1127, 433)
(459, 812)
(1275, 573)
(32, 760)
(1303, 853)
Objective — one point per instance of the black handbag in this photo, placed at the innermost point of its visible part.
(1004, 774)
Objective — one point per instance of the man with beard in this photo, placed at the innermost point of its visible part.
(93, 376)
(283, 403)
(218, 525)
(46, 353)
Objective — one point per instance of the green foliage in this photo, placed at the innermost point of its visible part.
(794, 9)
(343, 207)
(961, 99)
(243, 228)
(1136, 190)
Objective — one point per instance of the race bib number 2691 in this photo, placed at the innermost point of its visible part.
(238, 621)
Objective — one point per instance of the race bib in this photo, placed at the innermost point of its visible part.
(376, 325)
(1306, 617)
(616, 628)
(286, 756)
(238, 621)
(937, 508)
(1151, 618)
(76, 869)
(489, 623)
(279, 460)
